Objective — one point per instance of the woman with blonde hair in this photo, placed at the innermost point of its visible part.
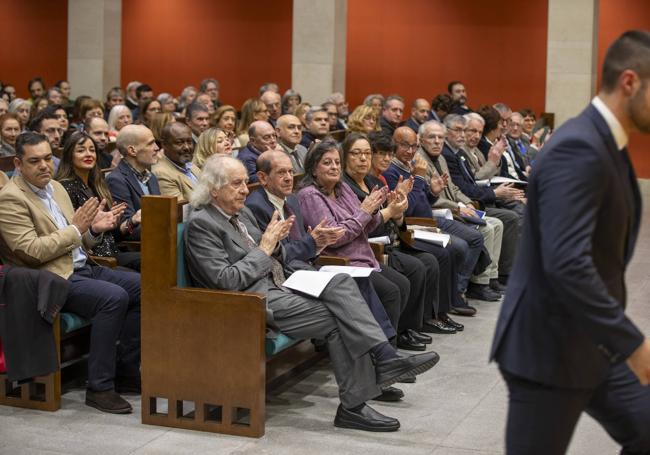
(363, 120)
(22, 109)
(253, 109)
(225, 118)
(213, 141)
(301, 112)
(158, 122)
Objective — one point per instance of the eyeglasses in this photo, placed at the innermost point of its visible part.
(473, 131)
(358, 153)
(458, 130)
(404, 145)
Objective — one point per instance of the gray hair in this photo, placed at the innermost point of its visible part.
(502, 108)
(133, 85)
(116, 112)
(182, 101)
(214, 176)
(474, 116)
(368, 99)
(165, 98)
(309, 116)
(334, 97)
(428, 124)
(17, 103)
(453, 119)
(205, 82)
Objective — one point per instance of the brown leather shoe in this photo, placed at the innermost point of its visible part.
(108, 401)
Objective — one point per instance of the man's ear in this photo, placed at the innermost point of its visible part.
(261, 176)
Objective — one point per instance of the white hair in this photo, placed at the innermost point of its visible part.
(428, 124)
(116, 112)
(474, 116)
(215, 174)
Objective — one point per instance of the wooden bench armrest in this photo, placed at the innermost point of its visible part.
(378, 251)
(331, 260)
(130, 245)
(422, 221)
(110, 262)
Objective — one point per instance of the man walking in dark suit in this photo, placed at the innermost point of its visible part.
(563, 341)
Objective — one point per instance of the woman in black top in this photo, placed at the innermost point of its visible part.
(436, 262)
(82, 179)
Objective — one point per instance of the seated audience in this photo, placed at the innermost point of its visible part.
(376, 102)
(97, 128)
(9, 131)
(225, 118)
(119, 117)
(174, 171)
(40, 229)
(289, 131)
(481, 167)
(21, 108)
(225, 249)
(421, 198)
(213, 141)
(512, 164)
(420, 111)
(252, 110)
(318, 126)
(81, 177)
(132, 178)
(262, 138)
(420, 267)
(197, 118)
(363, 120)
(325, 196)
(272, 100)
(521, 147)
(290, 101)
(391, 114)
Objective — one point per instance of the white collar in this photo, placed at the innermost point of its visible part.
(620, 136)
(276, 201)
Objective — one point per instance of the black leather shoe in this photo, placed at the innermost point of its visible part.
(496, 286)
(390, 394)
(128, 384)
(108, 401)
(482, 292)
(364, 418)
(451, 323)
(408, 380)
(437, 326)
(463, 310)
(407, 342)
(420, 337)
(390, 371)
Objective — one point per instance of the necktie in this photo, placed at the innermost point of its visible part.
(468, 174)
(276, 269)
(522, 149)
(294, 233)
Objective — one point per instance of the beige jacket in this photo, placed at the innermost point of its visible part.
(451, 195)
(172, 181)
(482, 168)
(30, 236)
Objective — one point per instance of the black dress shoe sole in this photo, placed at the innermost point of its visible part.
(390, 397)
(92, 404)
(342, 422)
(426, 366)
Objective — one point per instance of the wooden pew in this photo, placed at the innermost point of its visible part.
(204, 352)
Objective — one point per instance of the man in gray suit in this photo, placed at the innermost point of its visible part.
(225, 249)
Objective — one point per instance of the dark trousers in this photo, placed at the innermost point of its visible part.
(511, 230)
(468, 239)
(110, 299)
(393, 290)
(541, 418)
(421, 269)
(448, 275)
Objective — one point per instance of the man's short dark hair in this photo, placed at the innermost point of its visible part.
(205, 82)
(491, 117)
(194, 108)
(450, 86)
(142, 88)
(115, 90)
(381, 142)
(35, 79)
(28, 138)
(264, 163)
(59, 83)
(390, 98)
(630, 51)
(527, 112)
(46, 114)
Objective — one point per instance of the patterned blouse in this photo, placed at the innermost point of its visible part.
(79, 193)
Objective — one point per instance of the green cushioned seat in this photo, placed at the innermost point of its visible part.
(71, 322)
(272, 345)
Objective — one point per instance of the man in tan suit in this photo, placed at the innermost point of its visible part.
(175, 173)
(482, 168)
(40, 229)
(3, 179)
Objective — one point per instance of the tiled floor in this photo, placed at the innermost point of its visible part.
(458, 408)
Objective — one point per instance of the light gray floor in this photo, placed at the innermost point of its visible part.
(458, 408)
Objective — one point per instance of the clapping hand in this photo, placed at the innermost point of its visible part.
(83, 217)
(404, 186)
(276, 230)
(374, 200)
(325, 236)
(437, 184)
(104, 220)
(397, 205)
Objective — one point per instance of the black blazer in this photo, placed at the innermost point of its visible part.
(124, 187)
(563, 322)
(461, 174)
(303, 249)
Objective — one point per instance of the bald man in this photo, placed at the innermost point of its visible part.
(419, 114)
(175, 173)
(289, 131)
(132, 178)
(262, 138)
(272, 100)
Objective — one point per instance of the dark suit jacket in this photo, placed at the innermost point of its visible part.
(124, 187)
(520, 167)
(303, 249)
(562, 322)
(461, 175)
(248, 155)
(411, 123)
